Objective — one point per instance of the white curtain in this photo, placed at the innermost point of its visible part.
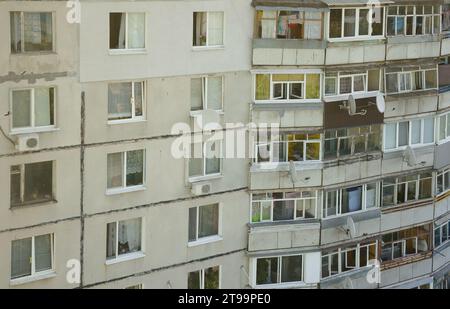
(16, 29)
(129, 236)
(115, 166)
(136, 30)
(268, 25)
(121, 42)
(111, 240)
(354, 199)
(42, 106)
(119, 101)
(215, 28)
(215, 93)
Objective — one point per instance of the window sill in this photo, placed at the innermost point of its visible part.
(353, 39)
(199, 112)
(34, 53)
(126, 257)
(33, 204)
(443, 141)
(205, 240)
(285, 285)
(356, 96)
(204, 178)
(125, 190)
(125, 121)
(204, 48)
(284, 166)
(117, 52)
(36, 277)
(34, 130)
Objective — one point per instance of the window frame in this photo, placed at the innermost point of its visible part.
(126, 50)
(22, 34)
(210, 238)
(446, 137)
(410, 73)
(314, 197)
(279, 283)
(125, 256)
(339, 200)
(406, 184)
(273, 100)
(409, 137)
(207, 46)
(34, 273)
(33, 128)
(414, 16)
(369, 36)
(204, 158)
(204, 81)
(337, 82)
(440, 230)
(124, 188)
(202, 276)
(133, 117)
(444, 180)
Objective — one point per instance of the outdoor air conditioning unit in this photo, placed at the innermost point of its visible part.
(27, 142)
(201, 188)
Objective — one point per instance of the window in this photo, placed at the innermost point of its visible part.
(443, 181)
(126, 169)
(407, 189)
(31, 32)
(442, 234)
(444, 127)
(352, 199)
(32, 256)
(413, 20)
(126, 101)
(203, 222)
(31, 183)
(33, 109)
(206, 159)
(208, 278)
(350, 258)
(352, 83)
(351, 141)
(279, 206)
(289, 147)
(123, 237)
(445, 17)
(279, 88)
(281, 269)
(208, 29)
(356, 23)
(289, 25)
(409, 133)
(126, 31)
(406, 242)
(401, 82)
(207, 93)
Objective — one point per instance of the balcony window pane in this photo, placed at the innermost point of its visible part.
(392, 83)
(403, 133)
(363, 22)
(377, 21)
(390, 135)
(262, 87)
(430, 79)
(349, 22)
(415, 131)
(291, 268)
(345, 85)
(335, 23)
(428, 130)
(312, 86)
(283, 210)
(267, 270)
(351, 199)
(371, 195)
(312, 151)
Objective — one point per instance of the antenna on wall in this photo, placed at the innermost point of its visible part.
(409, 156)
(293, 172)
(350, 106)
(350, 227)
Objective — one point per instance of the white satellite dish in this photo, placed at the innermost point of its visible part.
(409, 156)
(381, 104)
(350, 227)
(293, 172)
(350, 106)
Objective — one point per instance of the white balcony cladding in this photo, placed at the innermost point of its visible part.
(348, 49)
(410, 42)
(168, 40)
(406, 272)
(303, 47)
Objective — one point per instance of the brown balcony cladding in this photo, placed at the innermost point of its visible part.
(444, 75)
(335, 117)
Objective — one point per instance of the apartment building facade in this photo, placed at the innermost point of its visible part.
(350, 191)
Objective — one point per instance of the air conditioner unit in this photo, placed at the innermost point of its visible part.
(201, 188)
(27, 142)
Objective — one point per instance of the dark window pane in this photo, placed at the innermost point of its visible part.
(111, 240)
(267, 270)
(194, 280)
(38, 33)
(212, 277)
(43, 252)
(20, 258)
(38, 182)
(283, 210)
(135, 168)
(15, 185)
(335, 23)
(291, 268)
(208, 220)
(117, 30)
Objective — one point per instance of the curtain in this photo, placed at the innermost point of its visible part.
(212, 157)
(215, 28)
(135, 167)
(21, 108)
(262, 87)
(43, 252)
(208, 218)
(312, 86)
(20, 258)
(111, 240)
(136, 30)
(196, 94)
(117, 30)
(351, 200)
(129, 236)
(200, 28)
(268, 25)
(16, 30)
(43, 106)
(138, 96)
(38, 31)
(114, 173)
(119, 101)
(215, 93)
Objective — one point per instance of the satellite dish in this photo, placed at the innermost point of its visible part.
(350, 227)
(348, 283)
(352, 104)
(409, 157)
(381, 104)
(293, 172)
